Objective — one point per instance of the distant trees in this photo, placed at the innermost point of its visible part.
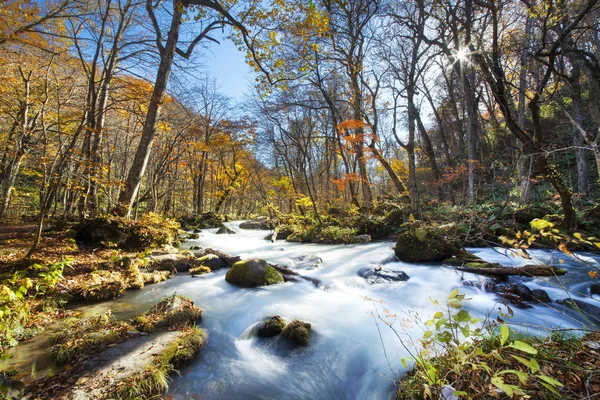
(356, 102)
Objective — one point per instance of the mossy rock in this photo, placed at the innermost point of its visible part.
(420, 242)
(271, 326)
(298, 331)
(193, 236)
(259, 224)
(211, 261)
(225, 230)
(253, 273)
(175, 312)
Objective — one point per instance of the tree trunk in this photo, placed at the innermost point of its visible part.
(142, 155)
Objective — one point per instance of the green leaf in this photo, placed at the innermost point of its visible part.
(524, 347)
(427, 334)
(504, 333)
(531, 363)
(438, 314)
(454, 303)
(550, 381)
(453, 294)
(462, 316)
(499, 383)
(521, 375)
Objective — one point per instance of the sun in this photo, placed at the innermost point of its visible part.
(461, 55)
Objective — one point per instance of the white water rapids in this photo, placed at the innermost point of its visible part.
(352, 354)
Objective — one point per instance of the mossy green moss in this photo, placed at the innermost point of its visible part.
(298, 331)
(252, 273)
(272, 326)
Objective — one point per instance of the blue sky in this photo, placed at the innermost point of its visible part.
(227, 64)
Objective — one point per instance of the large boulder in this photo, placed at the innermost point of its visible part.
(102, 232)
(225, 230)
(298, 331)
(258, 224)
(362, 238)
(271, 326)
(202, 221)
(211, 261)
(380, 275)
(253, 273)
(419, 242)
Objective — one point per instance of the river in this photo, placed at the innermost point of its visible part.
(352, 354)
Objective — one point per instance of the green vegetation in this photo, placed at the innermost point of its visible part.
(457, 355)
(84, 337)
(155, 377)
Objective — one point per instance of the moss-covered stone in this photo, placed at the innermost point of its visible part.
(271, 326)
(211, 261)
(253, 273)
(175, 312)
(225, 231)
(420, 242)
(201, 270)
(298, 331)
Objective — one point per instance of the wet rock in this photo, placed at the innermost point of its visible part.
(258, 224)
(541, 296)
(380, 275)
(202, 221)
(253, 273)
(283, 232)
(298, 331)
(305, 261)
(591, 312)
(272, 326)
(271, 236)
(230, 260)
(195, 248)
(595, 289)
(225, 230)
(102, 232)
(171, 262)
(292, 276)
(193, 236)
(419, 242)
(211, 261)
(362, 238)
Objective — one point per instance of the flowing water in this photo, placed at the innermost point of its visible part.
(352, 354)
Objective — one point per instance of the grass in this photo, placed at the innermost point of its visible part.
(83, 337)
(154, 380)
(175, 312)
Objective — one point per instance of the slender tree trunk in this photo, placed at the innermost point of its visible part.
(142, 155)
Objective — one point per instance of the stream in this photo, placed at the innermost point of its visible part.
(352, 354)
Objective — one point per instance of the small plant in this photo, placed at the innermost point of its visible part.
(474, 362)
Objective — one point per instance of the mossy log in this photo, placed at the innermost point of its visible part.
(499, 270)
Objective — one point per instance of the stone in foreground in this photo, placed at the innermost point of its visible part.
(380, 275)
(253, 273)
(298, 331)
(272, 326)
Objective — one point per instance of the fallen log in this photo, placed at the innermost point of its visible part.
(528, 270)
(292, 276)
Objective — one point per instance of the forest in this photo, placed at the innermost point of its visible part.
(454, 131)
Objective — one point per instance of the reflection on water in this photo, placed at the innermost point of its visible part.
(346, 358)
